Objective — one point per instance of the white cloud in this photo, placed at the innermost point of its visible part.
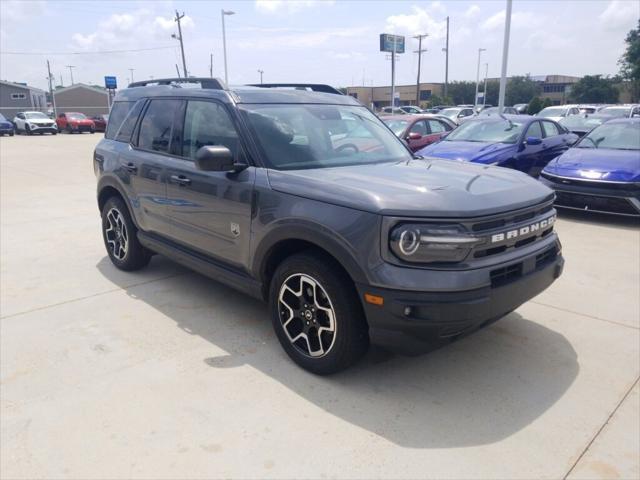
(472, 11)
(289, 6)
(130, 29)
(420, 21)
(437, 6)
(620, 15)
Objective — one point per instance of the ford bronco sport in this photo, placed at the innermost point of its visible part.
(304, 198)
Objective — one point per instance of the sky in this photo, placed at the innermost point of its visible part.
(332, 41)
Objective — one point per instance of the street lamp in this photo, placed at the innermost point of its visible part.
(260, 72)
(475, 99)
(224, 12)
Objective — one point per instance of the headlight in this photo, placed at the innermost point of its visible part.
(424, 243)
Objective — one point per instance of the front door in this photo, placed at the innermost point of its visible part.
(530, 155)
(210, 211)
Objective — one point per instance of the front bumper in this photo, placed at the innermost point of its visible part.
(42, 128)
(409, 320)
(599, 197)
(83, 128)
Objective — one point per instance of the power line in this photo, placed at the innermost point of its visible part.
(86, 52)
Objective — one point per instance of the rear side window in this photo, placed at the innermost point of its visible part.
(156, 127)
(124, 134)
(208, 123)
(118, 112)
(534, 130)
(550, 129)
(436, 127)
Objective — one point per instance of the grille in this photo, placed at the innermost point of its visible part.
(629, 187)
(504, 275)
(544, 258)
(595, 202)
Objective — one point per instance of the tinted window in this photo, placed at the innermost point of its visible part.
(207, 123)
(534, 130)
(124, 133)
(119, 110)
(549, 129)
(157, 125)
(420, 127)
(436, 127)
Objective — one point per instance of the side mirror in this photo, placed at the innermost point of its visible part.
(216, 158)
(460, 115)
(414, 136)
(534, 141)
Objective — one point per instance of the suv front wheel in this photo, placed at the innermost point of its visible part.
(316, 314)
(120, 239)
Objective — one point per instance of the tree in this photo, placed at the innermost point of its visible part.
(594, 89)
(462, 92)
(535, 105)
(547, 103)
(521, 90)
(630, 62)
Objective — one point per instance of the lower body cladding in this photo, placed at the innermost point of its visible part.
(410, 321)
(598, 197)
(34, 130)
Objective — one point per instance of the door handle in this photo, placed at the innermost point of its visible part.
(130, 167)
(180, 180)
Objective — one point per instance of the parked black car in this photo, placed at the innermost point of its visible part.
(304, 198)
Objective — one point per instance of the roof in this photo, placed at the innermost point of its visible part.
(242, 94)
(19, 85)
(633, 121)
(80, 85)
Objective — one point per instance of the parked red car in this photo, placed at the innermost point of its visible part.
(100, 122)
(71, 122)
(419, 130)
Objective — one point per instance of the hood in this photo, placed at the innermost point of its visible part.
(479, 152)
(84, 121)
(597, 164)
(426, 188)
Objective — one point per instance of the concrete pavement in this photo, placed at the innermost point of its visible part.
(164, 373)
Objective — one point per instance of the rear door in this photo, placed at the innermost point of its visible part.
(210, 211)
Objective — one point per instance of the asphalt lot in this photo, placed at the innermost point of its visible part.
(167, 374)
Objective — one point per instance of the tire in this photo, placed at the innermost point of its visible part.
(69, 130)
(11, 134)
(54, 133)
(316, 279)
(120, 237)
(27, 130)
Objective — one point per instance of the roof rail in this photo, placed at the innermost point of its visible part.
(205, 82)
(315, 87)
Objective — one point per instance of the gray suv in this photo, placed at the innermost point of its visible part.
(302, 197)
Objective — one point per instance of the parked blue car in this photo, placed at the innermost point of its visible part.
(515, 141)
(601, 173)
(6, 127)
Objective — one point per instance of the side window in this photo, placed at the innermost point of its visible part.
(420, 127)
(61, 115)
(436, 127)
(156, 127)
(20, 116)
(122, 130)
(208, 123)
(534, 130)
(467, 112)
(550, 129)
(117, 114)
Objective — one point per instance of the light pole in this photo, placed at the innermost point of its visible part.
(475, 99)
(505, 57)
(71, 67)
(223, 13)
(484, 90)
(260, 72)
(446, 64)
(131, 70)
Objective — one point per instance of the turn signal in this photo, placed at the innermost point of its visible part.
(374, 299)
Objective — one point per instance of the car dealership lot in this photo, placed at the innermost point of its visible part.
(165, 373)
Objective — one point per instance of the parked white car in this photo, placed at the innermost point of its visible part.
(34, 122)
(557, 113)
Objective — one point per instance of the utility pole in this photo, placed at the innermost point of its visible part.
(484, 91)
(420, 51)
(260, 72)
(505, 57)
(71, 67)
(211, 65)
(53, 100)
(223, 13)
(177, 70)
(61, 82)
(131, 70)
(179, 37)
(475, 99)
(446, 63)
(393, 74)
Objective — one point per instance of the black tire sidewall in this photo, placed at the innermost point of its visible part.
(351, 340)
(137, 256)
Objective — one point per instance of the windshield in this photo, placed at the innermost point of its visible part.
(552, 112)
(396, 126)
(616, 136)
(33, 115)
(582, 122)
(76, 116)
(450, 112)
(486, 131)
(295, 137)
(2, 119)
(616, 111)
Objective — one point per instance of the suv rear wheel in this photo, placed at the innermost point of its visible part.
(120, 239)
(316, 314)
